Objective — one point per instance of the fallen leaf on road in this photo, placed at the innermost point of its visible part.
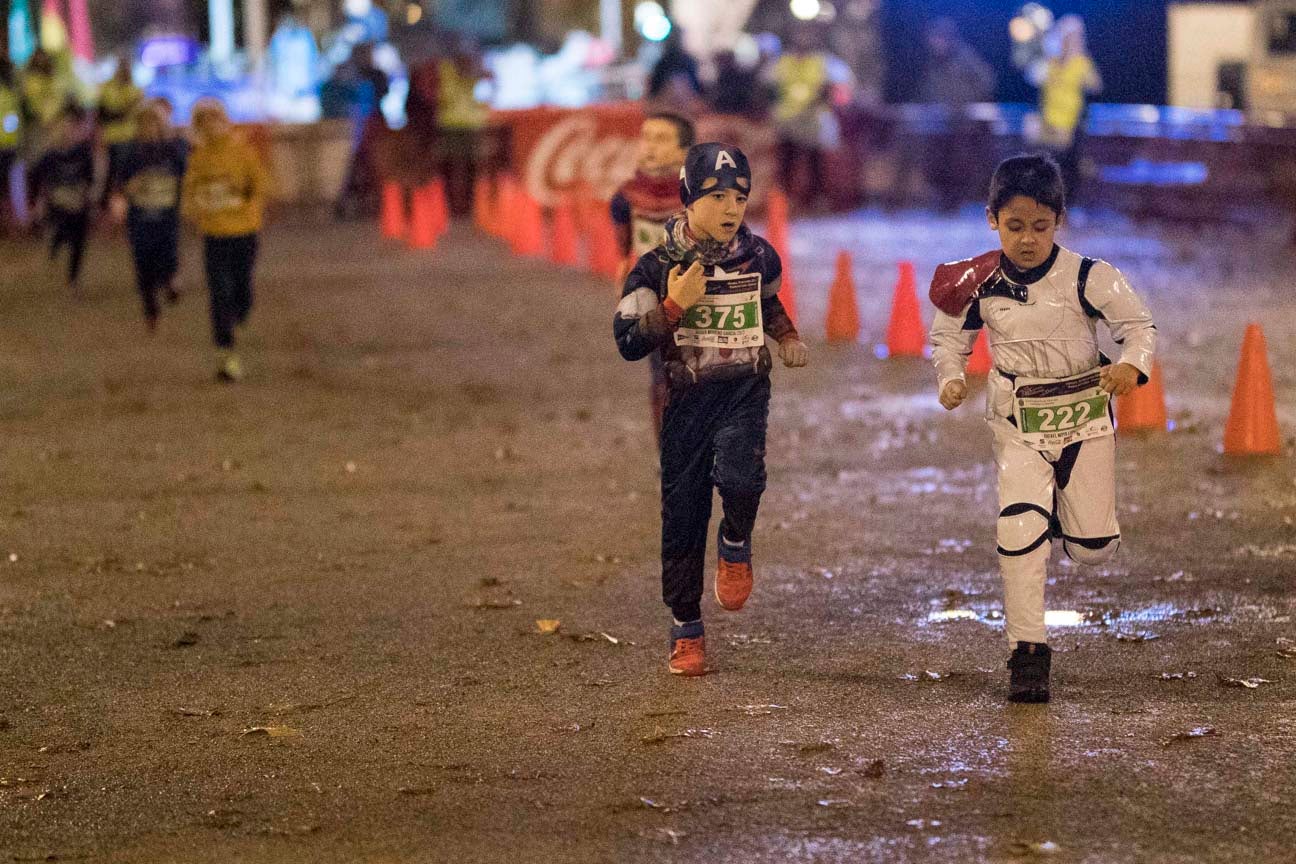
(874, 770)
(1287, 648)
(186, 639)
(759, 710)
(1248, 683)
(831, 772)
(653, 805)
(834, 802)
(271, 731)
(1047, 847)
(1136, 637)
(484, 603)
(195, 712)
(575, 727)
(1177, 676)
(547, 626)
(1191, 734)
(659, 735)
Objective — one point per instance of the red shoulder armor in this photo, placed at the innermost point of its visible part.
(955, 283)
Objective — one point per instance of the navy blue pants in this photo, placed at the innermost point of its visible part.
(713, 437)
(155, 246)
(229, 262)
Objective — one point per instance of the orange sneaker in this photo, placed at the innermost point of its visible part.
(734, 576)
(688, 650)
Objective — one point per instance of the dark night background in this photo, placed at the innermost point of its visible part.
(1127, 39)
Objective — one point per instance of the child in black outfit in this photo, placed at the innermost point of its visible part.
(151, 172)
(61, 186)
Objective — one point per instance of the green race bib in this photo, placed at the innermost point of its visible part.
(727, 316)
(1052, 413)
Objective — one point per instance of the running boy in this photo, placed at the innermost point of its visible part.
(225, 192)
(705, 300)
(151, 171)
(1048, 395)
(61, 187)
(640, 209)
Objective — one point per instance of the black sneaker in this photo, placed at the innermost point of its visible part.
(1029, 665)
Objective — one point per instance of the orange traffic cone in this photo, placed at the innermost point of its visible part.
(1145, 409)
(843, 324)
(440, 207)
(483, 209)
(905, 335)
(392, 221)
(604, 256)
(1252, 428)
(564, 247)
(777, 234)
(979, 363)
(505, 208)
(528, 232)
(422, 227)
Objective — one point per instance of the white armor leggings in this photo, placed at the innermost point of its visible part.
(1071, 491)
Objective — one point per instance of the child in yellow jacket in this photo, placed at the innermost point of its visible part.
(225, 193)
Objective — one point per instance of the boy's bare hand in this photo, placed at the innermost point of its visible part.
(793, 353)
(686, 287)
(1119, 379)
(953, 394)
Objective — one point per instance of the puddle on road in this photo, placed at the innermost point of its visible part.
(1102, 617)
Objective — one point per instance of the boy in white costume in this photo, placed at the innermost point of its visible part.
(1048, 395)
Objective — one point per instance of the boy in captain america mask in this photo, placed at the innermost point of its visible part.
(1048, 394)
(705, 301)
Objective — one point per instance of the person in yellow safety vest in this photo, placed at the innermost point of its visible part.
(802, 81)
(119, 100)
(1068, 79)
(460, 119)
(44, 95)
(10, 138)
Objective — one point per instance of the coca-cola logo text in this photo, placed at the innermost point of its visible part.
(572, 153)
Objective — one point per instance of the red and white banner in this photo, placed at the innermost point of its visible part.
(557, 151)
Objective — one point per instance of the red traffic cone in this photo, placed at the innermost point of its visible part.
(564, 247)
(439, 207)
(604, 256)
(528, 232)
(484, 205)
(843, 323)
(905, 335)
(979, 363)
(392, 221)
(422, 228)
(1252, 428)
(1144, 409)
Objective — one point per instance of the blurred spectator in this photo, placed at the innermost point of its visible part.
(1068, 79)
(151, 172)
(955, 78)
(801, 113)
(422, 98)
(61, 183)
(44, 94)
(10, 137)
(738, 89)
(674, 82)
(119, 100)
(366, 86)
(461, 117)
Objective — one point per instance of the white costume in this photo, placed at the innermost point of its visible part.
(1046, 329)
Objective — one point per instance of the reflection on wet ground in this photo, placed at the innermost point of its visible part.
(1218, 610)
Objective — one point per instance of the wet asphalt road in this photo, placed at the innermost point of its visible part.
(295, 620)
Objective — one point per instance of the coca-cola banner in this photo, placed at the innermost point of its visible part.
(558, 150)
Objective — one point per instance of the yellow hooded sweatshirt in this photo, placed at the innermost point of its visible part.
(225, 187)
